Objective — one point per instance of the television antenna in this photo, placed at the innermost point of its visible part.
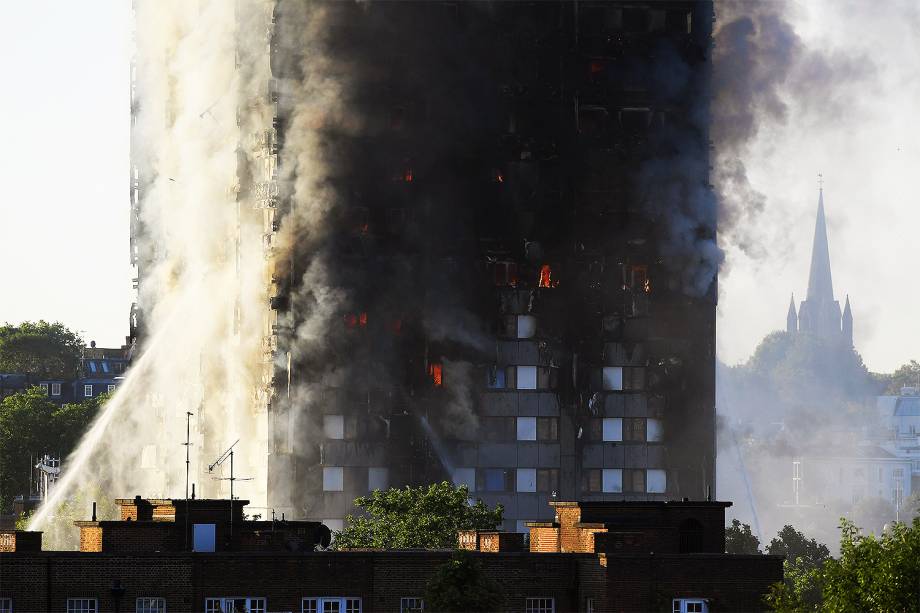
(228, 454)
(188, 445)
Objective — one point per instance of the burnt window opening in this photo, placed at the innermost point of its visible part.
(398, 118)
(505, 273)
(635, 20)
(404, 174)
(396, 326)
(592, 121)
(691, 536)
(498, 175)
(547, 429)
(495, 378)
(635, 121)
(359, 219)
(678, 21)
(499, 429)
(637, 278)
(396, 219)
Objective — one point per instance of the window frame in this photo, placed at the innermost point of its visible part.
(411, 604)
(680, 605)
(45, 388)
(55, 389)
(539, 605)
(87, 387)
(223, 599)
(340, 479)
(6, 605)
(142, 604)
(73, 603)
(346, 603)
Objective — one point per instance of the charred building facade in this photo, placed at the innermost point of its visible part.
(496, 257)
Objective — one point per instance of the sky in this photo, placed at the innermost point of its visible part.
(64, 210)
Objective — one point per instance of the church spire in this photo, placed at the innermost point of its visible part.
(792, 320)
(820, 286)
(847, 324)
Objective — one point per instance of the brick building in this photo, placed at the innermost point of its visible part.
(656, 556)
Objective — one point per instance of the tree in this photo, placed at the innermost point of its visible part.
(461, 585)
(873, 573)
(422, 517)
(907, 375)
(31, 425)
(796, 547)
(740, 539)
(48, 351)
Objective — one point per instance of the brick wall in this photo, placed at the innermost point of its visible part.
(20, 540)
(90, 538)
(544, 540)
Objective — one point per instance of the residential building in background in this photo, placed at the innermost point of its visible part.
(194, 555)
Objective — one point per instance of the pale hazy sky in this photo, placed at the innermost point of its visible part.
(64, 170)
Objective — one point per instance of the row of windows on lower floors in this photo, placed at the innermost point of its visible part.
(89, 390)
(524, 428)
(543, 480)
(335, 604)
(251, 604)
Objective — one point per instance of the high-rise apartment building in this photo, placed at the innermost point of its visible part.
(391, 243)
(500, 261)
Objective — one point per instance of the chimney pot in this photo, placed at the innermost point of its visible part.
(94, 510)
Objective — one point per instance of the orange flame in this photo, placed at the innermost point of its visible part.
(362, 319)
(546, 276)
(351, 320)
(407, 175)
(434, 369)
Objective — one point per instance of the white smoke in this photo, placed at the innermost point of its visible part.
(201, 115)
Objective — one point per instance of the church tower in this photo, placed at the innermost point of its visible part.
(792, 320)
(819, 313)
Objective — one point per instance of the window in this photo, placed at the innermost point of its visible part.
(105, 366)
(44, 387)
(110, 388)
(589, 605)
(55, 389)
(334, 525)
(377, 479)
(334, 426)
(612, 429)
(612, 480)
(591, 480)
(547, 479)
(411, 605)
(150, 605)
(82, 605)
(499, 429)
(527, 480)
(526, 428)
(613, 378)
(465, 476)
(690, 605)
(547, 428)
(496, 378)
(526, 377)
(6, 605)
(235, 604)
(634, 480)
(634, 429)
(540, 605)
(92, 366)
(333, 479)
(204, 537)
(334, 604)
(656, 481)
(654, 430)
(88, 391)
(526, 326)
(494, 480)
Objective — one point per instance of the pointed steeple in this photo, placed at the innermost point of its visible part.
(847, 323)
(820, 286)
(792, 320)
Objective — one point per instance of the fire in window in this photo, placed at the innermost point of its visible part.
(405, 173)
(355, 320)
(435, 371)
(546, 277)
(637, 278)
(498, 175)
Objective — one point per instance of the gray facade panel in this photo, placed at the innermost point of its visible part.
(593, 456)
(614, 405)
(498, 454)
(529, 403)
(656, 456)
(350, 453)
(547, 455)
(548, 405)
(614, 455)
(636, 405)
(636, 456)
(499, 404)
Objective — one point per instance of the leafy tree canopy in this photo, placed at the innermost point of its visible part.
(31, 425)
(872, 574)
(740, 539)
(795, 546)
(48, 351)
(421, 517)
(461, 585)
(907, 375)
